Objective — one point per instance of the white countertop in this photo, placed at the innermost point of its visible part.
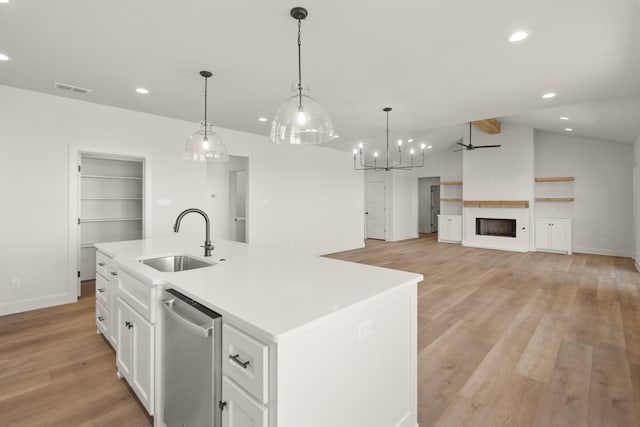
(275, 293)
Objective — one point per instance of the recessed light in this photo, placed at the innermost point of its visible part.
(429, 147)
(4, 1)
(410, 140)
(548, 95)
(564, 118)
(568, 129)
(262, 119)
(336, 136)
(518, 36)
(3, 57)
(142, 90)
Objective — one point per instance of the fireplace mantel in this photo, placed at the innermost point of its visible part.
(496, 203)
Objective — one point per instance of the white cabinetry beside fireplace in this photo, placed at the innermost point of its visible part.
(554, 235)
(450, 228)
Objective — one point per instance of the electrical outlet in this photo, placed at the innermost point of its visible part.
(16, 284)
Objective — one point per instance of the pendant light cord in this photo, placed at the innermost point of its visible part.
(387, 139)
(299, 62)
(205, 108)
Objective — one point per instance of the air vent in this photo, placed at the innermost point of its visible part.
(71, 88)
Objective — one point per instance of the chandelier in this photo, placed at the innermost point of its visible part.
(385, 165)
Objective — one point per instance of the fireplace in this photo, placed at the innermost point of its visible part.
(496, 227)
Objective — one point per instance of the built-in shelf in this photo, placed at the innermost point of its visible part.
(111, 198)
(111, 177)
(450, 182)
(496, 203)
(451, 199)
(86, 220)
(556, 178)
(554, 199)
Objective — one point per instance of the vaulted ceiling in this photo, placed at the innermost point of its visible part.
(437, 63)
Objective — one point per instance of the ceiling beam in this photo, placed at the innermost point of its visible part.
(490, 126)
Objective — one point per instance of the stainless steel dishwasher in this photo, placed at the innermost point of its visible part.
(191, 347)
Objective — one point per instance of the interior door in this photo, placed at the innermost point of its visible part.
(375, 210)
(435, 207)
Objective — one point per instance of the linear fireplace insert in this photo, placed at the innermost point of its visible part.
(496, 227)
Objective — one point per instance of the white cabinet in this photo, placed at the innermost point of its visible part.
(554, 235)
(245, 381)
(105, 297)
(240, 410)
(450, 228)
(135, 351)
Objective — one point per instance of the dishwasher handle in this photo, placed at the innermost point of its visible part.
(167, 304)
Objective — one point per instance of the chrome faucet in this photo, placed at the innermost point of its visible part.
(208, 247)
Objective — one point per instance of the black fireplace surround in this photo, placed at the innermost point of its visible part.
(496, 227)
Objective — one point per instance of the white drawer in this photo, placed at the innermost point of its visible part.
(246, 361)
(102, 264)
(136, 294)
(102, 317)
(102, 290)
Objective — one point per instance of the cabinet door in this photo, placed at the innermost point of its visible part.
(560, 236)
(455, 228)
(143, 367)
(240, 409)
(111, 301)
(444, 228)
(543, 238)
(124, 349)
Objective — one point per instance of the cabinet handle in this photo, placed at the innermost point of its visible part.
(221, 405)
(101, 264)
(101, 290)
(100, 318)
(129, 325)
(236, 358)
(114, 273)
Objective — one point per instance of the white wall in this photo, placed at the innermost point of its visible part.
(636, 201)
(308, 198)
(218, 194)
(504, 173)
(603, 189)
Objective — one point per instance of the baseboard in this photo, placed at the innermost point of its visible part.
(598, 251)
(342, 248)
(635, 262)
(20, 306)
(493, 248)
(401, 238)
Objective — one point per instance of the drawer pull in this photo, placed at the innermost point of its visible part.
(101, 290)
(114, 273)
(101, 264)
(236, 358)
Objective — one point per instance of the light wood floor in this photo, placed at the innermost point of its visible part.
(56, 371)
(505, 339)
(509, 339)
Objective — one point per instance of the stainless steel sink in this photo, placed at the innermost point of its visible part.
(170, 264)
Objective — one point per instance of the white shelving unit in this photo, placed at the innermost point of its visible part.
(111, 205)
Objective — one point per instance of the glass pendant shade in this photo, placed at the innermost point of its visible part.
(301, 124)
(205, 148)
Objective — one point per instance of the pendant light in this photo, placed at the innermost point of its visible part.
(301, 120)
(386, 166)
(205, 145)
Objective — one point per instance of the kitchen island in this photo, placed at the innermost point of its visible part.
(338, 339)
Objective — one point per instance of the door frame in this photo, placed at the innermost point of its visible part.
(73, 255)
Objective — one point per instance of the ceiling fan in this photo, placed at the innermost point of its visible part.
(470, 146)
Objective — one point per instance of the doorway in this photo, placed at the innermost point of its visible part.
(375, 210)
(228, 188)
(428, 204)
